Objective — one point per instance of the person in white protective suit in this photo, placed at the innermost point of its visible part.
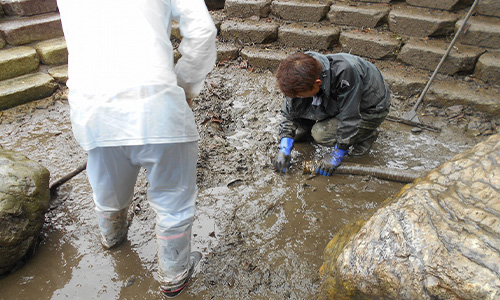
(129, 109)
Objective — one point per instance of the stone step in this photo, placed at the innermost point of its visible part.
(52, 52)
(59, 73)
(24, 89)
(481, 31)
(420, 22)
(444, 91)
(227, 51)
(452, 5)
(488, 68)
(17, 61)
(427, 54)
(489, 8)
(310, 36)
(450, 92)
(300, 11)
(362, 16)
(20, 31)
(28, 7)
(374, 1)
(370, 44)
(249, 31)
(264, 58)
(247, 8)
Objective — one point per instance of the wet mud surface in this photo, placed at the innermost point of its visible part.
(262, 234)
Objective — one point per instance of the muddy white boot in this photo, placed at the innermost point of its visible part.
(114, 227)
(173, 291)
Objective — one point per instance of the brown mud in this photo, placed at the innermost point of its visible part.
(262, 234)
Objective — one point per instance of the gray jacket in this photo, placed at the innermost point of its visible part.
(351, 86)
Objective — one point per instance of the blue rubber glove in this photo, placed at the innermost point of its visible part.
(282, 160)
(328, 165)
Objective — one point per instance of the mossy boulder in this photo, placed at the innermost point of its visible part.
(24, 198)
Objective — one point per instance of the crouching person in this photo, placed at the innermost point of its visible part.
(338, 100)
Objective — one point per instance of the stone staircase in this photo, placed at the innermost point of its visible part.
(33, 57)
(405, 39)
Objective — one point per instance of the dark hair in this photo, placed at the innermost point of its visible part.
(297, 73)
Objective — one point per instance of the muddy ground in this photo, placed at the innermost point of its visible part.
(262, 234)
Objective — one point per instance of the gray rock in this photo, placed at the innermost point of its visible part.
(439, 238)
(24, 198)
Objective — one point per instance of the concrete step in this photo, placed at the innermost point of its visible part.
(28, 7)
(489, 8)
(362, 16)
(247, 8)
(452, 5)
(20, 31)
(426, 54)
(300, 11)
(420, 22)
(370, 44)
(481, 31)
(53, 52)
(249, 31)
(24, 89)
(17, 61)
(310, 36)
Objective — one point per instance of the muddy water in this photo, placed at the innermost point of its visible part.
(262, 234)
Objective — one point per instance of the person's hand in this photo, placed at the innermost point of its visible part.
(330, 162)
(283, 158)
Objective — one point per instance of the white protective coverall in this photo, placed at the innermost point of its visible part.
(128, 110)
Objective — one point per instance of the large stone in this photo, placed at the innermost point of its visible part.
(227, 52)
(308, 36)
(28, 7)
(420, 22)
(247, 8)
(365, 16)
(31, 29)
(23, 89)
(404, 81)
(441, 4)
(439, 238)
(481, 32)
(53, 52)
(262, 58)
(248, 31)
(370, 44)
(300, 11)
(488, 68)
(427, 55)
(24, 198)
(17, 61)
(489, 8)
(59, 73)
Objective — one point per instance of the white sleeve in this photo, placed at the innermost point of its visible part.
(197, 46)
